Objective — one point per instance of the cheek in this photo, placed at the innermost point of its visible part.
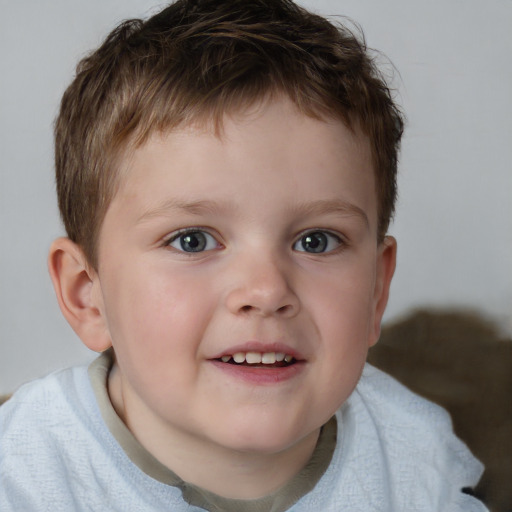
(342, 315)
(159, 315)
(156, 332)
(343, 300)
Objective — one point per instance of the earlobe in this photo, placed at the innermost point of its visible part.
(386, 263)
(75, 285)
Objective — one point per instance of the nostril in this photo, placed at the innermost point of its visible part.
(282, 310)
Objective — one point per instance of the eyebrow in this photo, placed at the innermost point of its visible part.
(205, 206)
(200, 207)
(332, 206)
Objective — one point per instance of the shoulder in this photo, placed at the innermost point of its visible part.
(45, 412)
(405, 420)
(36, 423)
(34, 398)
(57, 453)
(411, 441)
(381, 393)
(41, 401)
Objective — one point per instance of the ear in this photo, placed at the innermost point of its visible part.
(78, 292)
(386, 263)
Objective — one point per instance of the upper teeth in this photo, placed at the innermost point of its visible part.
(258, 357)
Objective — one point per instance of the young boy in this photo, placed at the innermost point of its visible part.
(226, 174)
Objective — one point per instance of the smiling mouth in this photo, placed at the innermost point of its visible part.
(259, 359)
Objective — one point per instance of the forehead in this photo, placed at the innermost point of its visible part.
(270, 150)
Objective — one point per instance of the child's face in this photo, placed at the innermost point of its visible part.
(260, 241)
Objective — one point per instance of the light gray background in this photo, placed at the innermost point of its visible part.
(454, 219)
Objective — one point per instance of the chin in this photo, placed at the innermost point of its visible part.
(267, 438)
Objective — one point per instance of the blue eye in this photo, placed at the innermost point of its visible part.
(317, 242)
(193, 241)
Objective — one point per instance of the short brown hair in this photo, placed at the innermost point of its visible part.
(197, 60)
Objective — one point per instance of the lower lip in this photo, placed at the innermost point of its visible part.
(260, 375)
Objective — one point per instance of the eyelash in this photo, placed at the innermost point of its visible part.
(329, 239)
(320, 239)
(177, 235)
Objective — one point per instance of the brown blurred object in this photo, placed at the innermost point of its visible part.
(458, 360)
(4, 398)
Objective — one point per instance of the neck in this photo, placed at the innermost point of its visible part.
(237, 474)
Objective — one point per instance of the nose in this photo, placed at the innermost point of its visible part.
(262, 286)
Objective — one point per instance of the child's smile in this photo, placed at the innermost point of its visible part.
(241, 283)
(261, 363)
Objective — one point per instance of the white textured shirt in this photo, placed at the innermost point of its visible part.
(394, 452)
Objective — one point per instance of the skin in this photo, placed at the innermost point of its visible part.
(273, 177)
